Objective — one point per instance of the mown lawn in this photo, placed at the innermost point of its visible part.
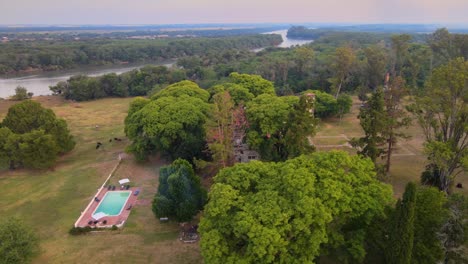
(51, 201)
(404, 168)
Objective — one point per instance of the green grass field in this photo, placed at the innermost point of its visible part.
(51, 201)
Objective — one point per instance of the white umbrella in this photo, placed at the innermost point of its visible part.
(99, 215)
(123, 181)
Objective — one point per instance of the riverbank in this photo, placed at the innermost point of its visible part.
(39, 83)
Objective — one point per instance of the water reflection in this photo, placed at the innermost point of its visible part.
(39, 83)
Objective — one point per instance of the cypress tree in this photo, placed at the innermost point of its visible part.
(399, 249)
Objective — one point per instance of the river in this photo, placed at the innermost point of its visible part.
(287, 42)
(39, 83)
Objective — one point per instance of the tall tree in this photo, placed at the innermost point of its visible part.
(396, 117)
(400, 45)
(288, 212)
(303, 58)
(220, 130)
(441, 45)
(376, 64)
(430, 214)
(342, 64)
(401, 236)
(373, 120)
(443, 115)
(180, 194)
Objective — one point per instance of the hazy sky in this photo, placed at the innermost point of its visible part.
(235, 11)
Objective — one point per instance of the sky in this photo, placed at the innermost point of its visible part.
(236, 11)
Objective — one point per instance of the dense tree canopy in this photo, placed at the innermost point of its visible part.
(289, 212)
(49, 55)
(414, 231)
(254, 83)
(180, 195)
(171, 123)
(18, 243)
(32, 136)
(280, 126)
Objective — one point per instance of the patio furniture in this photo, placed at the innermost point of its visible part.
(123, 181)
(136, 192)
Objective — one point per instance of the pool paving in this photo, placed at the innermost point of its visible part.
(117, 220)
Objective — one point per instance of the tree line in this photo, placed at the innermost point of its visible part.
(17, 56)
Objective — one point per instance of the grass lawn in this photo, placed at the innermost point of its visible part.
(404, 167)
(51, 201)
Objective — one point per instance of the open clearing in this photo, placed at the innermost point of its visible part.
(51, 201)
(408, 160)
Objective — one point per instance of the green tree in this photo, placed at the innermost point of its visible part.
(183, 88)
(18, 243)
(343, 104)
(400, 46)
(429, 216)
(376, 65)
(443, 115)
(33, 136)
(372, 118)
(325, 104)
(272, 120)
(343, 61)
(391, 232)
(254, 83)
(173, 124)
(401, 237)
(454, 233)
(21, 94)
(440, 43)
(396, 117)
(303, 57)
(180, 194)
(220, 131)
(287, 212)
(302, 125)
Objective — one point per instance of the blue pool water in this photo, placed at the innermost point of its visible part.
(113, 203)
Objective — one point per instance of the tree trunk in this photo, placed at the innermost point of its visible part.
(444, 181)
(12, 164)
(339, 89)
(389, 154)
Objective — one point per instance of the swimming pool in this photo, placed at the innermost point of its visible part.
(113, 202)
